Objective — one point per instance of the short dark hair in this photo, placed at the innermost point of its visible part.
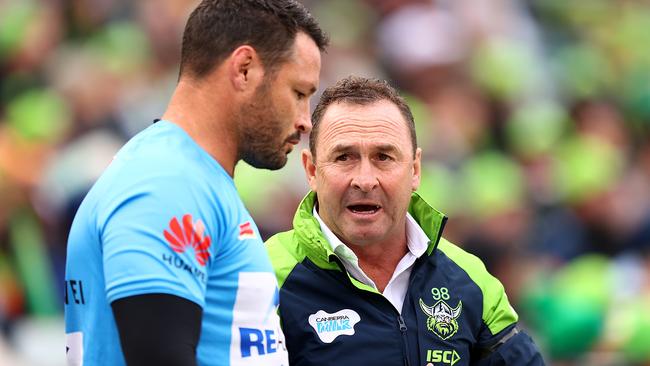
(217, 27)
(361, 91)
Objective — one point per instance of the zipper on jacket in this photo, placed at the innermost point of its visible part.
(405, 348)
(400, 320)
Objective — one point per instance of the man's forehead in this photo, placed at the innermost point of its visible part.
(365, 108)
(378, 126)
(305, 59)
(381, 116)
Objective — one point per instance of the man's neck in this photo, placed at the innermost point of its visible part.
(205, 113)
(379, 261)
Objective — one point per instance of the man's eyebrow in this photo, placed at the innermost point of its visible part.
(306, 86)
(386, 147)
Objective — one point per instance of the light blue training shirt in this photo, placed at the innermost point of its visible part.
(166, 218)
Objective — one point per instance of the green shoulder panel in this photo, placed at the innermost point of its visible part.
(283, 258)
(497, 312)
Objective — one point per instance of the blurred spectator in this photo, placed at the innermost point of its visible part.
(533, 117)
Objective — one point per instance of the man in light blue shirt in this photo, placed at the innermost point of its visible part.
(165, 265)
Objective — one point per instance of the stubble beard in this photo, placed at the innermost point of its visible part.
(261, 139)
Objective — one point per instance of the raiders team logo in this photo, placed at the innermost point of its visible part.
(442, 318)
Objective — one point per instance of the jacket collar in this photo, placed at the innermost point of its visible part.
(311, 237)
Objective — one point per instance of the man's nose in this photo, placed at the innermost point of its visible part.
(303, 124)
(365, 177)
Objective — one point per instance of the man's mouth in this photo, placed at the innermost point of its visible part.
(294, 139)
(364, 209)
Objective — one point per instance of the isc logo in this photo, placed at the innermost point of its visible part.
(446, 357)
(264, 340)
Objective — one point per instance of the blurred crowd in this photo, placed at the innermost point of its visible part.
(533, 117)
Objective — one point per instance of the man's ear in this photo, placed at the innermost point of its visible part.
(417, 169)
(245, 69)
(309, 165)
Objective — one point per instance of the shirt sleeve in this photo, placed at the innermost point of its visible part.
(147, 339)
(155, 240)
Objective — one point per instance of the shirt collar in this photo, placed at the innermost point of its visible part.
(416, 240)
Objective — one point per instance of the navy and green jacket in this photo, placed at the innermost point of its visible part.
(454, 313)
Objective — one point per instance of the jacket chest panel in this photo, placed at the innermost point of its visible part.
(330, 321)
(444, 310)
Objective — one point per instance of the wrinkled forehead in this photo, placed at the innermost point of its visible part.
(378, 123)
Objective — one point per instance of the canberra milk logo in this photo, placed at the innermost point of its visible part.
(329, 326)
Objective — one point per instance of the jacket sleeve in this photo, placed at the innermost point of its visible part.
(499, 341)
(512, 346)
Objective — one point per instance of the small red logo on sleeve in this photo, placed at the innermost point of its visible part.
(246, 231)
(189, 234)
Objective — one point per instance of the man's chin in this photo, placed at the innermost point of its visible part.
(274, 163)
(363, 238)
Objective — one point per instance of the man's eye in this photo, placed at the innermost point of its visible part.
(342, 157)
(383, 157)
(300, 95)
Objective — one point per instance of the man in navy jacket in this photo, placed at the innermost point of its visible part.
(365, 276)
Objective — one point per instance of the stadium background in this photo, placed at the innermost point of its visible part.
(534, 118)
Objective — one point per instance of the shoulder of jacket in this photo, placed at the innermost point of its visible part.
(470, 263)
(497, 312)
(284, 254)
